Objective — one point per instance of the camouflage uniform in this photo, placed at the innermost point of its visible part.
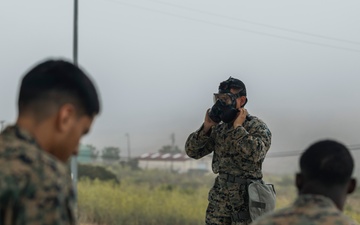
(307, 209)
(35, 188)
(237, 155)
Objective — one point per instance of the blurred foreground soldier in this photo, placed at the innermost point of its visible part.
(57, 104)
(323, 183)
(239, 143)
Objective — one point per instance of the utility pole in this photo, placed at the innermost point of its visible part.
(128, 146)
(172, 137)
(73, 165)
(173, 141)
(75, 38)
(2, 122)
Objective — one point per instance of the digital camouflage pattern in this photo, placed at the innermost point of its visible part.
(239, 152)
(309, 210)
(35, 188)
(228, 203)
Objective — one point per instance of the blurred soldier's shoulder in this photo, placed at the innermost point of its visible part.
(22, 161)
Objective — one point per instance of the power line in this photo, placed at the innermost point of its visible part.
(297, 153)
(353, 146)
(236, 28)
(256, 23)
(283, 154)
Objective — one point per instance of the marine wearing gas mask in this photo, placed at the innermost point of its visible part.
(224, 108)
(238, 143)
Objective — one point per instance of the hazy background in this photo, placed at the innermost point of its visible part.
(157, 62)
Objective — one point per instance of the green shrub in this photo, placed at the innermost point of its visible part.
(162, 198)
(96, 172)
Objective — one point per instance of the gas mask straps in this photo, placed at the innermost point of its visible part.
(225, 98)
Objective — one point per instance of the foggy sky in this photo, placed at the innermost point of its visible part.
(157, 63)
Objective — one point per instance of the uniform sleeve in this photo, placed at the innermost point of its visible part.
(60, 207)
(8, 195)
(70, 205)
(54, 198)
(66, 208)
(254, 141)
(200, 144)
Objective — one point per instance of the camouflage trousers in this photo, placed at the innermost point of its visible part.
(228, 204)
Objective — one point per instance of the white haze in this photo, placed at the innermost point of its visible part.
(156, 64)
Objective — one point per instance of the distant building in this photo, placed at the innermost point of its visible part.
(178, 162)
(85, 155)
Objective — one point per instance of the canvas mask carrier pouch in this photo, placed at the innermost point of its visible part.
(262, 198)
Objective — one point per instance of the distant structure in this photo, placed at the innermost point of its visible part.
(85, 155)
(2, 122)
(178, 162)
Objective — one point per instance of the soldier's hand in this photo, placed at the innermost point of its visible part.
(208, 122)
(241, 117)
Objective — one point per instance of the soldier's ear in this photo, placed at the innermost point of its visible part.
(65, 118)
(351, 186)
(299, 181)
(241, 101)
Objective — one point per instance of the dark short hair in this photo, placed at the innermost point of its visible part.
(236, 84)
(327, 161)
(58, 82)
(230, 83)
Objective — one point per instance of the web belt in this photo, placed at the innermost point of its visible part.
(233, 179)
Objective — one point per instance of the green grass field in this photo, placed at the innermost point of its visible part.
(162, 198)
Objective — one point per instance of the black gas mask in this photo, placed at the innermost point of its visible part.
(224, 108)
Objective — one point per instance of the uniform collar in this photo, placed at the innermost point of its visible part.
(20, 133)
(307, 200)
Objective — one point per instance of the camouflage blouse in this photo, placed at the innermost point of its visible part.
(35, 188)
(309, 210)
(239, 151)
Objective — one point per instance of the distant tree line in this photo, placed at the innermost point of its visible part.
(108, 153)
(113, 153)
